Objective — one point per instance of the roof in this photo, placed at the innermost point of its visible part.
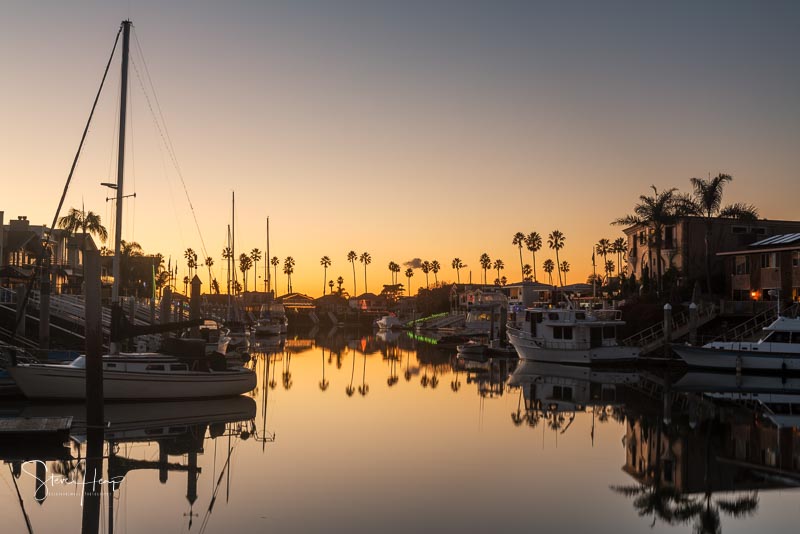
(781, 239)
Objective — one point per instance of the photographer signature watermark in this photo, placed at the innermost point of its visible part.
(69, 484)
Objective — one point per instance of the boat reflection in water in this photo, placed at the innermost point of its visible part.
(176, 429)
(697, 450)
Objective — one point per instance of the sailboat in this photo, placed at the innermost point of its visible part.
(182, 371)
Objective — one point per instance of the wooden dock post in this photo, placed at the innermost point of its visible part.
(693, 324)
(165, 312)
(667, 329)
(94, 340)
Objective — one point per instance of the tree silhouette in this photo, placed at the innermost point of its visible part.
(526, 273)
(288, 269)
(88, 222)
(366, 259)
(227, 255)
(352, 257)
(655, 212)
(519, 241)
(275, 262)
(245, 264)
(425, 268)
(409, 274)
(556, 242)
(255, 255)
(457, 265)
(325, 261)
(603, 247)
(619, 247)
(565, 269)
(486, 264)
(533, 242)
(498, 266)
(435, 268)
(549, 267)
(209, 261)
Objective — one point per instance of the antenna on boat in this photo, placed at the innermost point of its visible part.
(123, 105)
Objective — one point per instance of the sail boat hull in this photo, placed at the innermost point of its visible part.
(42, 381)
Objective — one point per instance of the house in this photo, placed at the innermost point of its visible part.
(527, 294)
(368, 302)
(768, 269)
(21, 246)
(683, 245)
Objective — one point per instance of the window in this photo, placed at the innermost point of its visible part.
(154, 367)
(796, 258)
(739, 229)
(609, 332)
(552, 316)
(769, 259)
(642, 238)
(759, 230)
(742, 265)
(634, 241)
(562, 332)
(669, 237)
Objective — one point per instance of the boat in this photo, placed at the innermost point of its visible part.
(777, 350)
(272, 320)
(389, 322)
(182, 370)
(471, 348)
(570, 335)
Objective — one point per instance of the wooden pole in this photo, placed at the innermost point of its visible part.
(194, 305)
(94, 394)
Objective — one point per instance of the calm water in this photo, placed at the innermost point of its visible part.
(354, 432)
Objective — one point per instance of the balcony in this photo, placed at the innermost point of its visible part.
(770, 278)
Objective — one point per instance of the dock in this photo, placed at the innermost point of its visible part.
(35, 427)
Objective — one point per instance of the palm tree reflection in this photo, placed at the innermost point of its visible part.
(363, 389)
(323, 384)
(350, 389)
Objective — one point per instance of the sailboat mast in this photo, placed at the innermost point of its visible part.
(233, 235)
(266, 262)
(123, 106)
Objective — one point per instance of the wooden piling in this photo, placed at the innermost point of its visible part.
(94, 340)
(194, 305)
(667, 329)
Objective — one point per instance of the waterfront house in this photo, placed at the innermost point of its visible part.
(766, 270)
(683, 245)
(21, 246)
(528, 294)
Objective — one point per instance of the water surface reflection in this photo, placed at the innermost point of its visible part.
(359, 430)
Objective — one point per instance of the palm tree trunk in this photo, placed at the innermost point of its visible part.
(558, 267)
(534, 266)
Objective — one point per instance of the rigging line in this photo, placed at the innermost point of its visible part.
(168, 139)
(40, 260)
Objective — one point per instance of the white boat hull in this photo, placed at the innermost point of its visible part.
(710, 358)
(66, 382)
(529, 349)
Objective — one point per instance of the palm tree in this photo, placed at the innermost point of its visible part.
(426, 268)
(185, 285)
(457, 265)
(564, 269)
(498, 266)
(191, 260)
(486, 264)
(706, 202)
(556, 242)
(609, 269)
(391, 271)
(209, 263)
(352, 257)
(325, 261)
(435, 268)
(548, 267)
(339, 282)
(275, 262)
(288, 269)
(519, 241)
(245, 264)
(396, 272)
(255, 255)
(366, 259)
(533, 242)
(526, 273)
(409, 274)
(655, 212)
(227, 254)
(619, 247)
(330, 285)
(88, 222)
(603, 247)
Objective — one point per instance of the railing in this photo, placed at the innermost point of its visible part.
(652, 337)
(755, 324)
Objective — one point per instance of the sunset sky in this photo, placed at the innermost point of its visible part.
(427, 130)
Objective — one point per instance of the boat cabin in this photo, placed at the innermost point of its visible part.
(571, 327)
